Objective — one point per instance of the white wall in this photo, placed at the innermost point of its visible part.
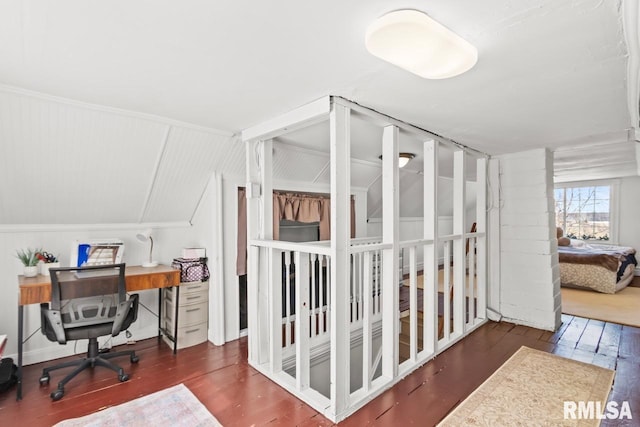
(529, 282)
(629, 211)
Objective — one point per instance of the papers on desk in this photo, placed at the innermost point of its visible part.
(3, 343)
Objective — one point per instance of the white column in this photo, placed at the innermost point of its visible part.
(481, 227)
(459, 229)
(390, 235)
(493, 241)
(216, 287)
(339, 121)
(430, 264)
(259, 226)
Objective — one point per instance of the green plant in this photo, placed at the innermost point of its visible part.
(28, 257)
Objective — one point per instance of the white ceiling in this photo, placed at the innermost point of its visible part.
(146, 94)
(550, 72)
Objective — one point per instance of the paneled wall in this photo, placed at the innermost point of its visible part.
(65, 162)
(529, 274)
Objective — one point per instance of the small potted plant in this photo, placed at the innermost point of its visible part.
(47, 260)
(29, 260)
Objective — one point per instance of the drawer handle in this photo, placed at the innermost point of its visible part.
(197, 297)
(192, 330)
(192, 310)
(194, 287)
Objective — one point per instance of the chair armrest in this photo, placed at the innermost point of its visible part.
(54, 323)
(124, 310)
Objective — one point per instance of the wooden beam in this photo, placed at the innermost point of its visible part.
(306, 115)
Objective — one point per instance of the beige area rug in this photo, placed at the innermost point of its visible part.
(175, 406)
(623, 307)
(530, 389)
(420, 281)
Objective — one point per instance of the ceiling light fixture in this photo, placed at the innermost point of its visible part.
(413, 41)
(403, 159)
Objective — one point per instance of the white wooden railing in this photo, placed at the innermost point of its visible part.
(300, 304)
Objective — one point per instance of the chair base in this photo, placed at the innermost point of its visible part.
(93, 359)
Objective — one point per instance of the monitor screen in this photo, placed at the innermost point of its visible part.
(96, 252)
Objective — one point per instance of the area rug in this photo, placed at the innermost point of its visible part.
(530, 389)
(623, 307)
(175, 406)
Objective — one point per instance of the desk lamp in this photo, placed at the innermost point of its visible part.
(143, 236)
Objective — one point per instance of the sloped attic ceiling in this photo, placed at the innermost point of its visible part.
(550, 72)
(64, 163)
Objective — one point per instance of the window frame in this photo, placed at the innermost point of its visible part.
(614, 205)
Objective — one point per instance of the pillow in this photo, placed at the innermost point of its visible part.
(564, 241)
(559, 232)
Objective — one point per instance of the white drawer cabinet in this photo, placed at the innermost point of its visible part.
(193, 313)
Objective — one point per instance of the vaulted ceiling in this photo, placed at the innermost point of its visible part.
(551, 73)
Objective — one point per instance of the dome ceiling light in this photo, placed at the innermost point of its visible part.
(413, 41)
(403, 159)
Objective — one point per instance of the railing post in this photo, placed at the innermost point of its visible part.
(303, 364)
(459, 229)
(275, 281)
(413, 305)
(366, 322)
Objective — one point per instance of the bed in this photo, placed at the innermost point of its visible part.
(602, 268)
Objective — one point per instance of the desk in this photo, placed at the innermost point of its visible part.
(37, 290)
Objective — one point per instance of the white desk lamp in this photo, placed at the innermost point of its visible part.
(143, 236)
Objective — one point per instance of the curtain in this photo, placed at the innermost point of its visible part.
(300, 207)
(241, 258)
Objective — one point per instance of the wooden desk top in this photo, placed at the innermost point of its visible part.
(35, 290)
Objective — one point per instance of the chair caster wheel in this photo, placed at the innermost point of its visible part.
(123, 377)
(44, 380)
(57, 395)
(135, 359)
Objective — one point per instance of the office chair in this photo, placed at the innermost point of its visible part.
(87, 303)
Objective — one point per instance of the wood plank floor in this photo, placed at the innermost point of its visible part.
(239, 396)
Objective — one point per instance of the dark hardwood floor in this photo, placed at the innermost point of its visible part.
(237, 395)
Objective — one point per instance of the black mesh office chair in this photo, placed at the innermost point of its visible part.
(87, 303)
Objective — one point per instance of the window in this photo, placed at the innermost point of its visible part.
(585, 212)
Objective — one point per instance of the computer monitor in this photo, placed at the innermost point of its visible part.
(96, 252)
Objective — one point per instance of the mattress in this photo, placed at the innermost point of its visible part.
(602, 268)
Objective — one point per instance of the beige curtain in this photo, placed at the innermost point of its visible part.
(301, 207)
(241, 258)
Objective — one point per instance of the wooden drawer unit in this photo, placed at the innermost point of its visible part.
(193, 313)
